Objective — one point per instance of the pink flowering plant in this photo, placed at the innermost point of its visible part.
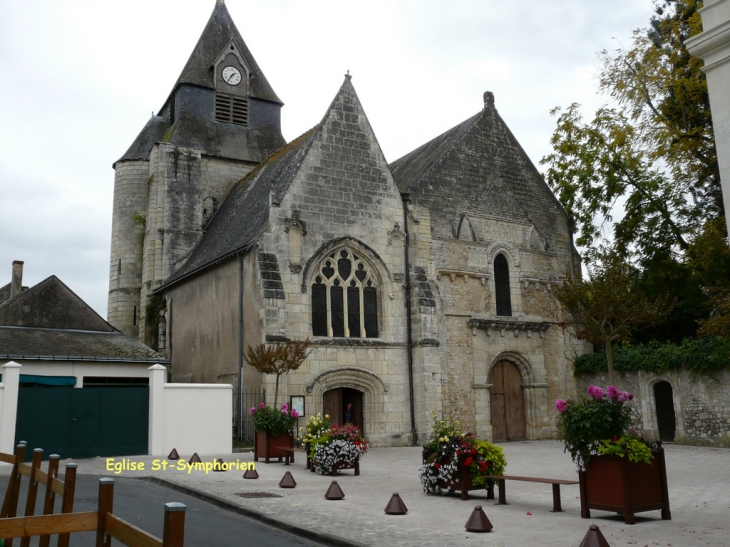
(274, 421)
(587, 425)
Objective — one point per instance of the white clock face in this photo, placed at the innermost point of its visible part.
(231, 75)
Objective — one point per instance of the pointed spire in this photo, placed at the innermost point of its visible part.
(218, 32)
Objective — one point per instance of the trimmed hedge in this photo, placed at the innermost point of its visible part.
(700, 355)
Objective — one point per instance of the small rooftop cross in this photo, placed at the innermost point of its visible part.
(347, 76)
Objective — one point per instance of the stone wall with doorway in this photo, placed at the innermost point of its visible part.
(701, 404)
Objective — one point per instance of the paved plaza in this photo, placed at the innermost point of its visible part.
(698, 489)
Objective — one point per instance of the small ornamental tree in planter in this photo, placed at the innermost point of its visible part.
(457, 461)
(617, 470)
(278, 359)
(273, 431)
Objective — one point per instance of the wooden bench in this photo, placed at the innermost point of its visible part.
(289, 453)
(557, 507)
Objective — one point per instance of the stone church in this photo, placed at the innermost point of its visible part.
(424, 284)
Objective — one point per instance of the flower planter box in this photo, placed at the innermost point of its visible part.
(464, 484)
(613, 483)
(340, 466)
(269, 446)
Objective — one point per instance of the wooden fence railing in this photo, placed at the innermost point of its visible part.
(103, 521)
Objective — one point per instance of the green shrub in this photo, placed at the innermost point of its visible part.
(699, 355)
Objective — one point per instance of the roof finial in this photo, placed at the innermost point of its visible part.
(221, 2)
(488, 99)
(347, 76)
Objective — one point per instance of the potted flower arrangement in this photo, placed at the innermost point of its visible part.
(316, 427)
(339, 448)
(618, 471)
(457, 461)
(273, 431)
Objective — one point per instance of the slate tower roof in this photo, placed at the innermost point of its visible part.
(187, 118)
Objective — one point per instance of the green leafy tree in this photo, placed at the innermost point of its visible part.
(278, 359)
(609, 305)
(654, 156)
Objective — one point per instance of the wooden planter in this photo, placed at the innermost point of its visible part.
(269, 446)
(463, 484)
(613, 483)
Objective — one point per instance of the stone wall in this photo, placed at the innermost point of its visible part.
(701, 403)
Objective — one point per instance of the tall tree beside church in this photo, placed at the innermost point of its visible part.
(654, 156)
(278, 359)
(610, 304)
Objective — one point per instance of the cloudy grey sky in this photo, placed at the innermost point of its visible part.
(79, 79)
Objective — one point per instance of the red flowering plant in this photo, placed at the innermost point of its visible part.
(599, 424)
(450, 449)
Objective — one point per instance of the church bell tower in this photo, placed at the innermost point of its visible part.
(221, 119)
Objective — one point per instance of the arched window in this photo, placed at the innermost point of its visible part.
(501, 285)
(344, 298)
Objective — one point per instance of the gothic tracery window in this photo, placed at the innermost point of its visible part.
(501, 286)
(344, 298)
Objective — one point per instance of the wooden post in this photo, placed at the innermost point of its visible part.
(67, 503)
(11, 496)
(50, 496)
(173, 534)
(106, 506)
(32, 490)
(502, 492)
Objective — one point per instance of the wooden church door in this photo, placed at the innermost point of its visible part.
(335, 401)
(332, 405)
(508, 403)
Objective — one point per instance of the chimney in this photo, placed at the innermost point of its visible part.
(16, 281)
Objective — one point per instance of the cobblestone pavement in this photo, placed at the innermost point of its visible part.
(698, 490)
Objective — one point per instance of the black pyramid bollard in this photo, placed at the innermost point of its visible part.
(194, 458)
(478, 521)
(594, 538)
(251, 474)
(174, 455)
(334, 492)
(287, 481)
(396, 506)
(218, 466)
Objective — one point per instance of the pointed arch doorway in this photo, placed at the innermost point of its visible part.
(507, 402)
(335, 401)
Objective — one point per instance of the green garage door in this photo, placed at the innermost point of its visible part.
(85, 422)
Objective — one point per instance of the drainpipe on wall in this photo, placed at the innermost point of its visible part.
(239, 402)
(406, 197)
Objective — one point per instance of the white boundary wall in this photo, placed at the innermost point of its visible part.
(189, 417)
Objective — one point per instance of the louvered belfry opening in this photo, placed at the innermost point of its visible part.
(501, 286)
(231, 109)
(344, 298)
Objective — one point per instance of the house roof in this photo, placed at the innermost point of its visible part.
(216, 36)
(5, 293)
(244, 213)
(51, 304)
(18, 343)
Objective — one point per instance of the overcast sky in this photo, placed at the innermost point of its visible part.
(79, 79)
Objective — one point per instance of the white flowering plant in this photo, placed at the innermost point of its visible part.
(449, 450)
(341, 446)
